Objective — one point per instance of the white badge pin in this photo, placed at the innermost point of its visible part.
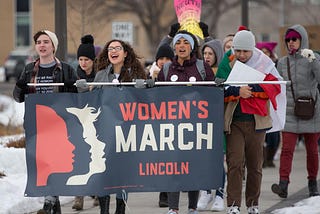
(174, 78)
(192, 79)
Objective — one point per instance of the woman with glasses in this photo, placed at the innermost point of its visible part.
(301, 66)
(117, 62)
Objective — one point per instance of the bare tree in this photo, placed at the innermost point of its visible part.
(90, 15)
(212, 10)
(155, 16)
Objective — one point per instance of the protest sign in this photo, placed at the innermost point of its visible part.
(124, 138)
(188, 14)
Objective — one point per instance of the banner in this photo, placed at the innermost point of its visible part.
(124, 138)
(188, 14)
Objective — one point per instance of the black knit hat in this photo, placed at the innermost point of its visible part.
(165, 51)
(86, 48)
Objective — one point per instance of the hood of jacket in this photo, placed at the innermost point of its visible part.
(216, 46)
(304, 44)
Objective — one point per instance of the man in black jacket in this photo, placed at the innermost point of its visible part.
(46, 69)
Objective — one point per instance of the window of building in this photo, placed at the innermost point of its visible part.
(315, 2)
(22, 5)
(22, 17)
(298, 2)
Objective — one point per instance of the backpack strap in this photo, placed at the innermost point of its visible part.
(165, 69)
(201, 69)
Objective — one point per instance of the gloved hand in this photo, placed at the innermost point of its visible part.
(150, 83)
(139, 83)
(174, 29)
(204, 28)
(82, 83)
(219, 81)
(22, 84)
(69, 83)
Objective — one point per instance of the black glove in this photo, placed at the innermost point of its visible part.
(69, 83)
(204, 28)
(150, 83)
(174, 29)
(219, 81)
(21, 83)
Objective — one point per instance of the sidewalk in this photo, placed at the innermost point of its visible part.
(147, 203)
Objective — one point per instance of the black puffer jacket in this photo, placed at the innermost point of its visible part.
(63, 73)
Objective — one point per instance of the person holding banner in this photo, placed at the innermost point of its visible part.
(164, 54)
(174, 29)
(247, 118)
(184, 68)
(86, 55)
(117, 62)
(212, 53)
(46, 69)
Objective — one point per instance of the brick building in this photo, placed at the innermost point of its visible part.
(20, 19)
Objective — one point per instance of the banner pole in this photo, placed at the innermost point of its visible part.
(167, 83)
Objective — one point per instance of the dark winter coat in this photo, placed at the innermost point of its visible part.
(82, 74)
(185, 71)
(63, 73)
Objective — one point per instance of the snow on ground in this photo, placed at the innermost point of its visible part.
(13, 164)
(11, 111)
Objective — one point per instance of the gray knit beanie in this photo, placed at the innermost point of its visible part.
(244, 40)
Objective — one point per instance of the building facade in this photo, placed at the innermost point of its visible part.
(20, 19)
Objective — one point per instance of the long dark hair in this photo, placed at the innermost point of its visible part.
(132, 67)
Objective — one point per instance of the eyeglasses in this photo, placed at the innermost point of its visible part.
(289, 39)
(117, 48)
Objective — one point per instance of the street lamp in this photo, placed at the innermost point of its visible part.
(244, 13)
(60, 19)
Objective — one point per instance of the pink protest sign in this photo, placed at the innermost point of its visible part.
(188, 14)
(186, 9)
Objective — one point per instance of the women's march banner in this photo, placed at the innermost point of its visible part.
(124, 138)
(188, 14)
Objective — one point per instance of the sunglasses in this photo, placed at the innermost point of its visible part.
(289, 39)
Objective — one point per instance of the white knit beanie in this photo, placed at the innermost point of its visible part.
(53, 38)
(244, 40)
